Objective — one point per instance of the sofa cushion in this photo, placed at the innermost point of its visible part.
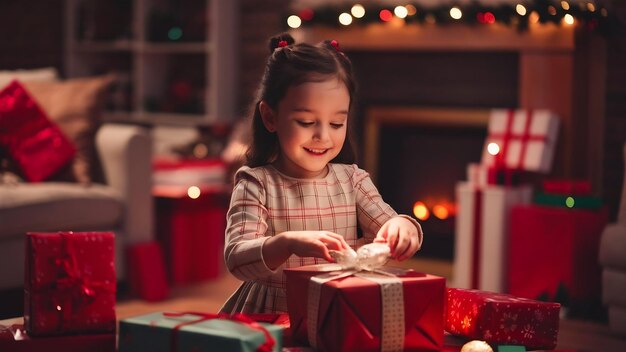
(75, 105)
(45, 74)
(36, 145)
(57, 206)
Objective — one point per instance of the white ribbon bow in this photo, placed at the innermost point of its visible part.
(365, 263)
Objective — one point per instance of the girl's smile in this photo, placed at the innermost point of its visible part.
(310, 123)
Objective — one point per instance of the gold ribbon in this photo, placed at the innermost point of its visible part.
(391, 289)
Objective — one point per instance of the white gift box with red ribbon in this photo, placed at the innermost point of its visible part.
(526, 139)
(481, 233)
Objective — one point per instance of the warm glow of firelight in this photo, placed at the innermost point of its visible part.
(420, 210)
(441, 212)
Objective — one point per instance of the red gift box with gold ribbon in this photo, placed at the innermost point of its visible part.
(502, 319)
(70, 283)
(339, 311)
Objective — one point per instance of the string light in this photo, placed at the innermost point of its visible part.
(400, 11)
(385, 15)
(591, 7)
(519, 14)
(345, 19)
(358, 11)
(456, 13)
(410, 10)
(294, 21)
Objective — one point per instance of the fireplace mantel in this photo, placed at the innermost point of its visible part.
(496, 37)
(561, 68)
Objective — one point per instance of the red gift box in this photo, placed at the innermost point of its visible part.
(534, 232)
(567, 187)
(15, 339)
(501, 318)
(353, 316)
(192, 233)
(70, 283)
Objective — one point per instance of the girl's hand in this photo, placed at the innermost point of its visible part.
(315, 243)
(401, 236)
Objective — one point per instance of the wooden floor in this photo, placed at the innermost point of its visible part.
(578, 335)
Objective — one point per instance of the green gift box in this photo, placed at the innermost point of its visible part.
(574, 201)
(191, 331)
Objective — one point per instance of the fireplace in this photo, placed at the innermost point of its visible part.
(424, 87)
(416, 156)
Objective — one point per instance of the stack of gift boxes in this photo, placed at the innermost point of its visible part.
(70, 305)
(518, 141)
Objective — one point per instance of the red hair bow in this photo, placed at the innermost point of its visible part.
(282, 43)
(335, 45)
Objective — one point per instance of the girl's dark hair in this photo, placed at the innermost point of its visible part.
(290, 65)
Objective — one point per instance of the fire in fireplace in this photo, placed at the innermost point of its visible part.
(419, 156)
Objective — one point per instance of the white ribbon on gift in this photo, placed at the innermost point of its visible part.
(366, 264)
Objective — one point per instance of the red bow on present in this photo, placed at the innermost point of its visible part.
(267, 346)
(72, 287)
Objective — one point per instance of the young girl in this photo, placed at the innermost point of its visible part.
(300, 195)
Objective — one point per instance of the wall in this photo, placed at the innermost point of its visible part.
(32, 37)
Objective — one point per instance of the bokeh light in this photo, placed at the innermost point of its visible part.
(358, 11)
(294, 21)
(521, 10)
(493, 148)
(441, 212)
(456, 13)
(570, 202)
(345, 19)
(400, 11)
(193, 192)
(420, 211)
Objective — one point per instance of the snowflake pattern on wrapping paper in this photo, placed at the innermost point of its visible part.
(454, 310)
(474, 309)
(466, 323)
(539, 315)
(508, 323)
(487, 335)
(528, 331)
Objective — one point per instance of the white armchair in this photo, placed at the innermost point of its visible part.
(613, 260)
(123, 205)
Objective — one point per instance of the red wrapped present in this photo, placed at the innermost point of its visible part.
(14, 338)
(364, 311)
(567, 187)
(481, 235)
(192, 233)
(70, 283)
(521, 139)
(146, 271)
(534, 232)
(502, 319)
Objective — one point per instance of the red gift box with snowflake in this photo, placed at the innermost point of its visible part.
(70, 283)
(502, 319)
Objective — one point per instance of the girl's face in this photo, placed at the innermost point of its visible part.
(310, 122)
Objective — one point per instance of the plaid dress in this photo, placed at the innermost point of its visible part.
(265, 202)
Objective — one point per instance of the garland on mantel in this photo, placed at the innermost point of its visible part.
(593, 17)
